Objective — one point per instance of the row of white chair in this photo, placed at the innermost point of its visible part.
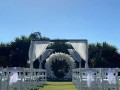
(96, 78)
(21, 78)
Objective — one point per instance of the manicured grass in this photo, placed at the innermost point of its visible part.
(58, 86)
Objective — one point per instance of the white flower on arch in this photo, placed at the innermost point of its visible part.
(59, 56)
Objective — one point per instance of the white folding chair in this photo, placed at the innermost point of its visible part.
(85, 79)
(109, 79)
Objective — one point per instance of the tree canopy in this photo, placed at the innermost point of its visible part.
(103, 55)
(15, 53)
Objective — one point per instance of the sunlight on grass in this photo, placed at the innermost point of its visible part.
(58, 86)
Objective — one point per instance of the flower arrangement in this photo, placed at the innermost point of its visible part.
(59, 56)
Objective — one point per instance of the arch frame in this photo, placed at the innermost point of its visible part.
(33, 42)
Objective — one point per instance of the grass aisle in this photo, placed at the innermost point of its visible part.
(58, 86)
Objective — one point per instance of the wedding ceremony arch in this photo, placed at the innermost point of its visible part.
(38, 50)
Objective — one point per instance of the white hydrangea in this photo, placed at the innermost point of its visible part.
(58, 56)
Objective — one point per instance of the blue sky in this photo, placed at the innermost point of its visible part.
(95, 20)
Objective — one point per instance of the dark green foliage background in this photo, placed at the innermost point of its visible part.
(15, 53)
(60, 68)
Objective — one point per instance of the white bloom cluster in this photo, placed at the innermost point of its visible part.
(59, 56)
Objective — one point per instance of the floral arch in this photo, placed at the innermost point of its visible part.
(38, 48)
(60, 57)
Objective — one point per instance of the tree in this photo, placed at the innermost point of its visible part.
(35, 35)
(19, 52)
(4, 54)
(15, 53)
(103, 55)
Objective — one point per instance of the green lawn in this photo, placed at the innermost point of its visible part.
(58, 86)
